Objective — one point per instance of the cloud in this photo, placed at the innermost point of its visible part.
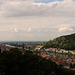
(68, 0)
(21, 8)
(65, 27)
(29, 29)
(43, 20)
(15, 30)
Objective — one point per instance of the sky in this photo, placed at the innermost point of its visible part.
(36, 20)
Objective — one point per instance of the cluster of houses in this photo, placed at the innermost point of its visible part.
(38, 47)
(44, 53)
(55, 50)
(8, 47)
(5, 48)
(64, 61)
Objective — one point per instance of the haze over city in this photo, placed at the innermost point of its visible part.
(36, 20)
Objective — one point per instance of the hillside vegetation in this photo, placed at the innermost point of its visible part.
(65, 42)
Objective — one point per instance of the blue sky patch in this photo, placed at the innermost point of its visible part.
(46, 1)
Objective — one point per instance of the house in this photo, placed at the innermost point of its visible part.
(61, 51)
(38, 47)
(72, 52)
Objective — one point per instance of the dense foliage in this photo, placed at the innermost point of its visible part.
(16, 63)
(65, 42)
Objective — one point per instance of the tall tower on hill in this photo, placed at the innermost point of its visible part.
(23, 49)
(0, 50)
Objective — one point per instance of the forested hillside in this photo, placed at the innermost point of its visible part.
(65, 42)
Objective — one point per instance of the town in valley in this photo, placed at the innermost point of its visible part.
(57, 55)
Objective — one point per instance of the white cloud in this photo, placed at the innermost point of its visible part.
(43, 20)
(15, 30)
(29, 29)
(29, 8)
(65, 27)
(67, 0)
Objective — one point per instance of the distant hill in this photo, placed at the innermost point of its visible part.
(66, 42)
